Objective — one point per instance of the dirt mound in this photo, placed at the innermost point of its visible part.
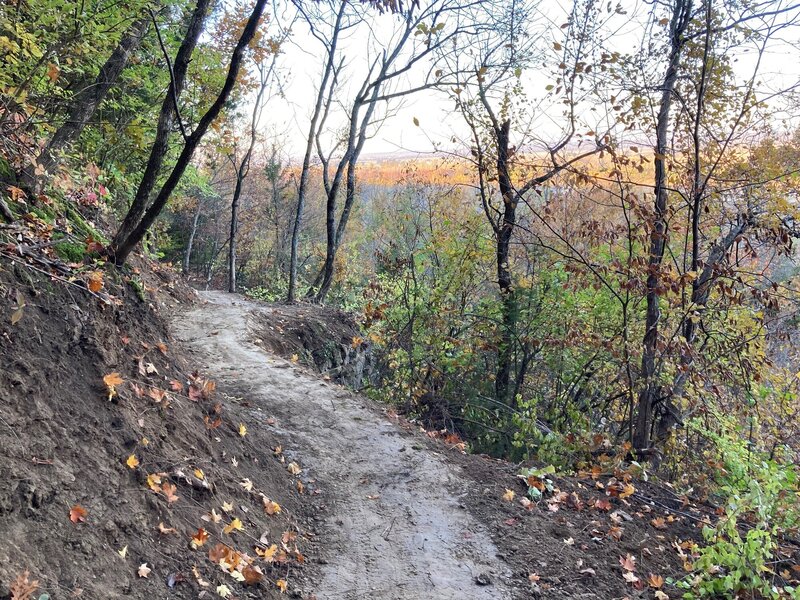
(96, 482)
(323, 338)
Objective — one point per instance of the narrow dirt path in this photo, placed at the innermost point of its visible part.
(396, 529)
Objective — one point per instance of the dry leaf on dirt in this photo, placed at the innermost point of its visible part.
(132, 461)
(143, 570)
(77, 514)
(22, 588)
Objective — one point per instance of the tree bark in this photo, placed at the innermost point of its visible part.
(312, 134)
(118, 249)
(650, 393)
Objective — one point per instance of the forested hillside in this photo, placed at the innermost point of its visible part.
(563, 234)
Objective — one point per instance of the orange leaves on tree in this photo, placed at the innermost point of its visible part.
(77, 514)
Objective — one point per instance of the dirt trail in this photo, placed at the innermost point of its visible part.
(395, 528)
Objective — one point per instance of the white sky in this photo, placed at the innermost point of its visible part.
(301, 63)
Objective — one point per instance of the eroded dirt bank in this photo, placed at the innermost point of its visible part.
(392, 526)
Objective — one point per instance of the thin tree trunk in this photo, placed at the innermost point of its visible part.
(187, 256)
(127, 232)
(85, 103)
(312, 133)
(505, 355)
(650, 392)
(128, 236)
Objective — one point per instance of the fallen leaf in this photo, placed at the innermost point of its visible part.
(144, 570)
(659, 523)
(199, 538)
(166, 530)
(22, 588)
(235, 525)
(655, 581)
(132, 461)
(268, 554)
(162, 347)
(224, 591)
(509, 495)
(227, 506)
(77, 514)
(112, 380)
(569, 541)
(124, 552)
(154, 482)
(175, 385)
(661, 595)
(242, 430)
(199, 474)
(270, 507)
(252, 575)
(627, 490)
(628, 562)
(169, 491)
(294, 468)
(246, 484)
(95, 281)
(201, 582)
(630, 577)
(281, 583)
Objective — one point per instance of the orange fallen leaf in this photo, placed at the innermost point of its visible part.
(199, 538)
(95, 281)
(655, 581)
(628, 562)
(169, 491)
(281, 583)
(77, 514)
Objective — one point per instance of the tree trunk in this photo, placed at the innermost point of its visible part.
(131, 233)
(649, 396)
(312, 133)
(85, 103)
(234, 227)
(505, 354)
(118, 249)
(187, 256)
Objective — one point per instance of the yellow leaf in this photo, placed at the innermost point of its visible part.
(224, 591)
(124, 552)
(281, 583)
(294, 468)
(242, 430)
(132, 461)
(154, 482)
(268, 554)
(628, 490)
(247, 485)
(235, 525)
(295, 358)
(227, 506)
(509, 495)
(199, 474)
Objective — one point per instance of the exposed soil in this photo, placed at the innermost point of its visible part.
(379, 508)
(404, 515)
(324, 338)
(394, 525)
(64, 443)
